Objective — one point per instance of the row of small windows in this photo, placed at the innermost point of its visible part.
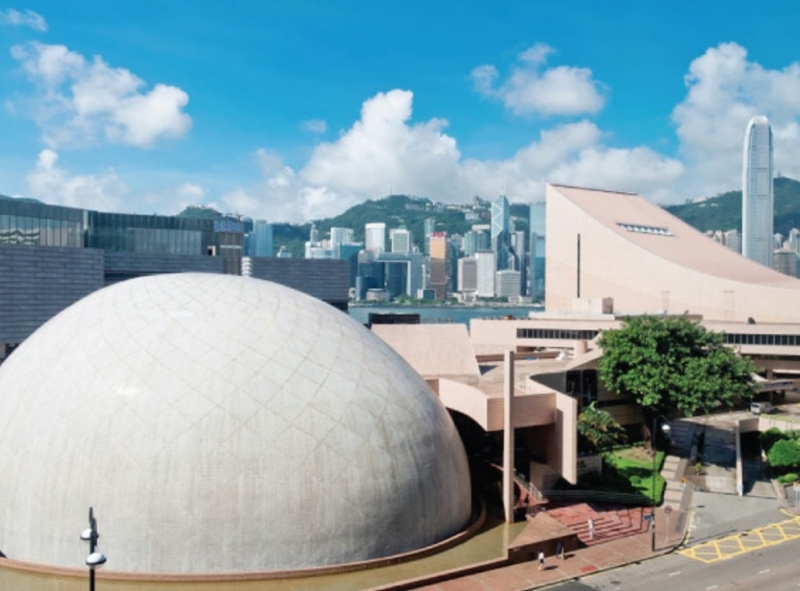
(645, 229)
(547, 333)
(781, 340)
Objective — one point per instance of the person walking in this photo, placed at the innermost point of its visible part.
(559, 550)
(591, 529)
(541, 559)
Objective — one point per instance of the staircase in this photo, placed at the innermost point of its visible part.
(609, 524)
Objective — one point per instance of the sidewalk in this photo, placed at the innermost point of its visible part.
(578, 563)
(670, 528)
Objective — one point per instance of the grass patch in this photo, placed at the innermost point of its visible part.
(632, 468)
(628, 470)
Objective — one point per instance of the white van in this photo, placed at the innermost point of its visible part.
(761, 408)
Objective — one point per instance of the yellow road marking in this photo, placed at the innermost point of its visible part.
(735, 545)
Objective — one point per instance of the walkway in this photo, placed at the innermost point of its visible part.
(579, 563)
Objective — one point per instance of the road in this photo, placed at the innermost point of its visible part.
(772, 569)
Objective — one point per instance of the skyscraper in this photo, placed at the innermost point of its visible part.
(467, 275)
(401, 240)
(440, 257)
(501, 239)
(429, 228)
(340, 236)
(486, 273)
(757, 192)
(537, 224)
(375, 237)
(260, 243)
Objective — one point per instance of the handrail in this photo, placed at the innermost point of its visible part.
(597, 496)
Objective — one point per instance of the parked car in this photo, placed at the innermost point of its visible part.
(761, 408)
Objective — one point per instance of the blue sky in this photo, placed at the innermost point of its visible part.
(297, 110)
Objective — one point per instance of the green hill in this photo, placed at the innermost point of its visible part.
(395, 211)
(721, 212)
(724, 212)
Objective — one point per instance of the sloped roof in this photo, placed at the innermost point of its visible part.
(681, 244)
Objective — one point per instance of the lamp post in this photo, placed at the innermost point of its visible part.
(95, 559)
(654, 439)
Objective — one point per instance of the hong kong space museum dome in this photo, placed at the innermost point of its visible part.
(220, 424)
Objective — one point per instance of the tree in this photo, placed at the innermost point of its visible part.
(599, 429)
(668, 363)
(784, 455)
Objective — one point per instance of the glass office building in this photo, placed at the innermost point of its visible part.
(37, 224)
(758, 208)
(152, 234)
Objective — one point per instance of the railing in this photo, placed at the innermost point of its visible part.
(596, 496)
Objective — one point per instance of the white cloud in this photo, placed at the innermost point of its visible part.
(28, 19)
(382, 151)
(315, 126)
(79, 101)
(725, 90)
(573, 154)
(385, 151)
(52, 184)
(532, 89)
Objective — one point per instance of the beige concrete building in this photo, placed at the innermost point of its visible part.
(606, 244)
(544, 417)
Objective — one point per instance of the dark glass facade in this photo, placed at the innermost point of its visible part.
(150, 234)
(554, 333)
(37, 224)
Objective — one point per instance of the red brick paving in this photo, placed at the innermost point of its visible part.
(604, 554)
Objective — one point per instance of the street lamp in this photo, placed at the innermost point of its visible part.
(95, 559)
(653, 440)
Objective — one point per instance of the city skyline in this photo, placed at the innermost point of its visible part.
(294, 111)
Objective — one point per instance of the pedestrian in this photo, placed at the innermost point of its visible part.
(591, 529)
(541, 559)
(559, 550)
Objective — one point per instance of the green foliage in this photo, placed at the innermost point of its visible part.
(598, 429)
(768, 438)
(784, 455)
(788, 478)
(293, 238)
(771, 436)
(668, 363)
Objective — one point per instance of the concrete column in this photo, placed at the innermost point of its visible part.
(737, 432)
(508, 436)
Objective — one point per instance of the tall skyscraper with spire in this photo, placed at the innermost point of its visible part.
(757, 192)
(501, 237)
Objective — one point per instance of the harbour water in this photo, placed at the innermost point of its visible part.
(438, 314)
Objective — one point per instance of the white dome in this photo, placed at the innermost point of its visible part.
(220, 423)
